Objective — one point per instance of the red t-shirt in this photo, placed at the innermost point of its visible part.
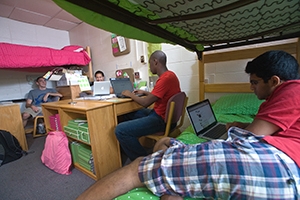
(282, 108)
(166, 86)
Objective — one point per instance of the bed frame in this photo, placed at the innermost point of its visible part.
(291, 47)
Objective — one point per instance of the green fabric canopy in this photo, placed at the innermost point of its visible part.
(196, 25)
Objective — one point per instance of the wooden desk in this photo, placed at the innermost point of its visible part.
(102, 119)
(11, 121)
(123, 106)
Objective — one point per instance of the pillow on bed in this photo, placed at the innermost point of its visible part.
(243, 103)
(74, 48)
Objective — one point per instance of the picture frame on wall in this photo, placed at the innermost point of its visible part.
(120, 45)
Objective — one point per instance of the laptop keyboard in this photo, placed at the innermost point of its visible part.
(216, 132)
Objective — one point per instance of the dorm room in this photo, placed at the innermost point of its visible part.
(231, 101)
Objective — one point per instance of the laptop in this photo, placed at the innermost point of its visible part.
(204, 122)
(101, 88)
(121, 84)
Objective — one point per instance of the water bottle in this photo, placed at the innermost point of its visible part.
(151, 86)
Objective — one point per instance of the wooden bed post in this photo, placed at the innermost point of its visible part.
(90, 72)
(298, 50)
(201, 78)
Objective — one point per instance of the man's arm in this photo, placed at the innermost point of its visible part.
(29, 105)
(144, 101)
(258, 127)
(56, 94)
(262, 127)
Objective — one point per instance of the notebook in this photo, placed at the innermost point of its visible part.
(101, 88)
(204, 122)
(121, 84)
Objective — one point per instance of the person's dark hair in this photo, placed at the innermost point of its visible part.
(160, 56)
(99, 72)
(270, 63)
(37, 79)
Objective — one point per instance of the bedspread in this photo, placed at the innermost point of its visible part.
(22, 56)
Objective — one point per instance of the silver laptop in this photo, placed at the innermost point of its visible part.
(204, 122)
(101, 88)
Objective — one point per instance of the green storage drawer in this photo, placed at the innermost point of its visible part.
(74, 151)
(71, 132)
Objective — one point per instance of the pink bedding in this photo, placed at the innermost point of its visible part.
(21, 56)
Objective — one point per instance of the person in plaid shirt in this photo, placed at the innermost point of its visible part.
(258, 160)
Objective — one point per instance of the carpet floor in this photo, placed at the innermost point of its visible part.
(29, 179)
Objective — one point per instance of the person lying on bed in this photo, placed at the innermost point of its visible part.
(38, 96)
(258, 160)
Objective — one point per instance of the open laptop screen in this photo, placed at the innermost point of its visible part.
(101, 88)
(201, 116)
(121, 84)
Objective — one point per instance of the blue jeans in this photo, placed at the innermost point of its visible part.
(140, 123)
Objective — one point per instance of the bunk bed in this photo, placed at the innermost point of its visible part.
(22, 56)
(238, 104)
(16, 56)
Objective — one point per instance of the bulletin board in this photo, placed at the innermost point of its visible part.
(120, 45)
(125, 73)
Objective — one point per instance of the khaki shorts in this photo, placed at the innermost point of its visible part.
(32, 113)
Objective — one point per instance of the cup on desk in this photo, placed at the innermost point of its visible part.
(145, 88)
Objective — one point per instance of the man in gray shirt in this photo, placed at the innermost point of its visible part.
(36, 97)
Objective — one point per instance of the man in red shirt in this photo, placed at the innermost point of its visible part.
(148, 121)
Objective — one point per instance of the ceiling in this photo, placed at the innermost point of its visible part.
(40, 12)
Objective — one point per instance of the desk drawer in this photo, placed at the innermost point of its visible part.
(127, 107)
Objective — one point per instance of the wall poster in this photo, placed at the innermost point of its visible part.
(120, 45)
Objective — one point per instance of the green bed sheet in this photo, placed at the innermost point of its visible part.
(188, 137)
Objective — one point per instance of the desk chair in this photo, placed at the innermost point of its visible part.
(175, 111)
(33, 128)
(36, 121)
(35, 124)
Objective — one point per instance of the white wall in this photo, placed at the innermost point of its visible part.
(102, 57)
(15, 84)
(232, 71)
(185, 64)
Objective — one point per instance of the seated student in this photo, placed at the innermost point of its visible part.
(258, 160)
(38, 96)
(148, 121)
(99, 76)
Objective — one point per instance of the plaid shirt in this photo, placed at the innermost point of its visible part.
(242, 167)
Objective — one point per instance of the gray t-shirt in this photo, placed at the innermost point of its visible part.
(37, 96)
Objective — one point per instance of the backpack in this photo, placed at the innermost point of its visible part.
(10, 148)
(56, 154)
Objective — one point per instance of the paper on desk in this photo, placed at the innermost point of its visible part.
(103, 97)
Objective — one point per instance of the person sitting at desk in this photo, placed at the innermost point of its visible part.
(258, 160)
(38, 96)
(148, 121)
(99, 76)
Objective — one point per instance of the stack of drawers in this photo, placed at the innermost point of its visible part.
(78, 130)
(82, 155)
